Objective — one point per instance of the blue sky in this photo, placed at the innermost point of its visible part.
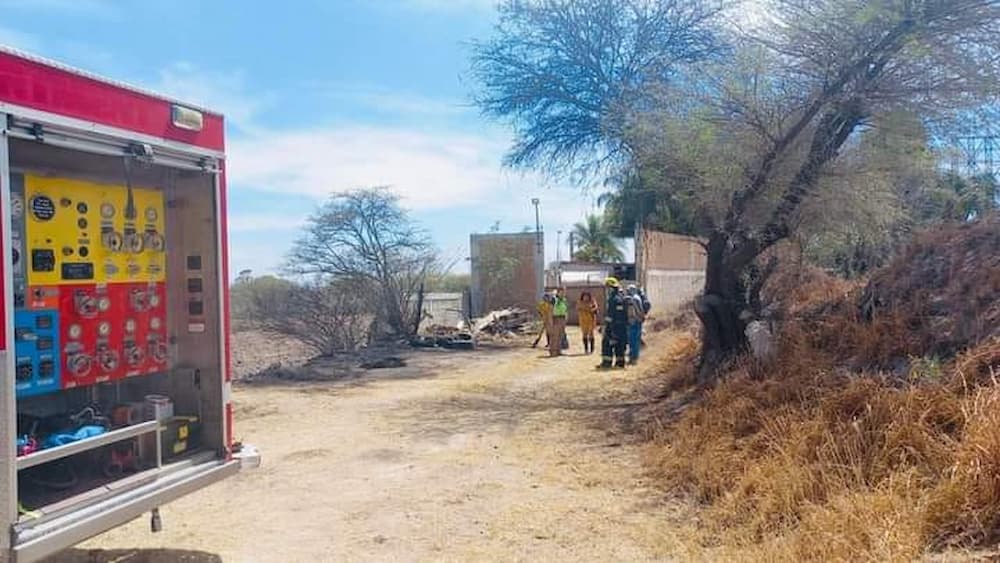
(320, 96)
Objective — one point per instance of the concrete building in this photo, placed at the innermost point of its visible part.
(670, 267)
(507, 269)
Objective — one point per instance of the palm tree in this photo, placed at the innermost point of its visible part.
(596, 242)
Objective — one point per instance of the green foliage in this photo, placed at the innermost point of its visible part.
(596, 241)
(659, 207)
(958, 198)
(883, 189)
(247, 291)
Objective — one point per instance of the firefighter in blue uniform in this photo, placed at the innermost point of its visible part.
(615, 336)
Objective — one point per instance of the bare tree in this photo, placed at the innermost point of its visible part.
(566, 72)
(331, 318)
(366, 237)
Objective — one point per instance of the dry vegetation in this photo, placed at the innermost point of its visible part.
(875, 433)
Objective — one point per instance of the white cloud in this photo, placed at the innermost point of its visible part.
(428, 170)
(431, 169)
(219, 91)
(390, 101)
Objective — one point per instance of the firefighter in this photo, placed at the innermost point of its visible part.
(615, 326)
(587, 312)
(636, 316)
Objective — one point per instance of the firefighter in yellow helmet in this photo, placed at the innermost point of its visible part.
(615, 335)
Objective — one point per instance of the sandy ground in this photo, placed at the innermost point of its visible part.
(491, 455)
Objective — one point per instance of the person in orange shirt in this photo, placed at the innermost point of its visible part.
(587, 313)
(545, 314)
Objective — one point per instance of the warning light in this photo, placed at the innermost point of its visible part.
(187, 118)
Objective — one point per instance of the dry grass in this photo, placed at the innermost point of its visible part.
(853, 444)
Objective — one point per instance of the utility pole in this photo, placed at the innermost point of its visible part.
(539, 251)
(558, 246)
(538, 222)
(572, 255)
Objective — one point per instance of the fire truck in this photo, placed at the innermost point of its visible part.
(114, 343)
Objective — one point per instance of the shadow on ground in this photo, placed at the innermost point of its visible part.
(134, 556)
(345, 371)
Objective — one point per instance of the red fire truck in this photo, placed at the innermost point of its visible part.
(114, 341)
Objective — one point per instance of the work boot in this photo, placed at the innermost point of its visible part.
(620, 364)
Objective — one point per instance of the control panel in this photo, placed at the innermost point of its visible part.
(83, 233)
(90, 258)
(36, 337)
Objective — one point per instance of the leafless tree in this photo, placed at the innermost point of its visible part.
(331, 318)
(366, 237)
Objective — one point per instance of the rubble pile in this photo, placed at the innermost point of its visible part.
(504, 322)
(441, 336)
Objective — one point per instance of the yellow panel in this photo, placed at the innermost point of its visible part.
(118, 248)
(61, 226)
(150, 224)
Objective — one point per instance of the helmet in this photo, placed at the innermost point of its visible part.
(611, 282)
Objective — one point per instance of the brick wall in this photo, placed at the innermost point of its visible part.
(506, 271)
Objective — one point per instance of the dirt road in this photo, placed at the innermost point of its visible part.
(491, 455)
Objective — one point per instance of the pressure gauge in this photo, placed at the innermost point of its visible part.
(107, 211)
(16, 206)
(154, 299)
(75, 331)
(104, 329)
(130, 326)
(154, 323)
(151, 214)
(103, 304)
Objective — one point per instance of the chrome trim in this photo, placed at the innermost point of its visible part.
(52, 454)
(61, 533)
(78, 128)
(8, 398)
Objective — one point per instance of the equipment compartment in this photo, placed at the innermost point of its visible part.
(103, 321)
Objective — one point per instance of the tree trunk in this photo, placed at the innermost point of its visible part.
(420, 309)
(720, 309)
